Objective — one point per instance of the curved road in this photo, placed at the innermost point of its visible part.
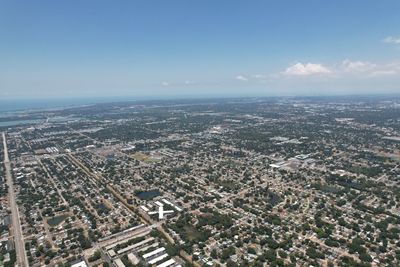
(16, 223)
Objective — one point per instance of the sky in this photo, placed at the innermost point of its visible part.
(96, 48)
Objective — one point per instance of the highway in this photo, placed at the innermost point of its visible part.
(22, 260)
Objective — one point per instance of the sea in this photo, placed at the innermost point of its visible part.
(10, 108)
(12, 105)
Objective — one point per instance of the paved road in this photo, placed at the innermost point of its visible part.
(16, 223)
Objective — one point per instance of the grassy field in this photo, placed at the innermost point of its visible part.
(144, 158)
(192, 233)
(56, 220)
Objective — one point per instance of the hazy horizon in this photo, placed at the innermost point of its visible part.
(25, 104)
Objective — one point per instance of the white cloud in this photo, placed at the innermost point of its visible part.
(347, 68)
(189, 82)
(392, 40)
(241, 78)
(357, 66)
(379, 73)
(300, 69)
(368, 69)
(165, 83)
(258, 76)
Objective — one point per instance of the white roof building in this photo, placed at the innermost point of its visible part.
(154, 252)
(80, 264)
(159, 258)
(167, 263)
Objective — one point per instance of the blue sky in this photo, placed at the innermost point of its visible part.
(182, 48)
